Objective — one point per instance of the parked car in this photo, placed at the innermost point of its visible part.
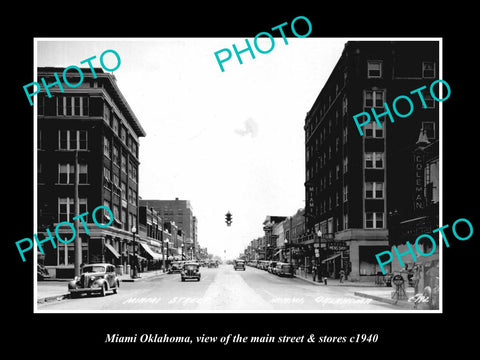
(176, 266)
(95, 278)
(284, 269)
(272, 267)
(190, 270)
(239, 264)
(263, 264)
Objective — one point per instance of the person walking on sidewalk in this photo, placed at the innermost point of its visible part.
(342, 275)
(314, 271)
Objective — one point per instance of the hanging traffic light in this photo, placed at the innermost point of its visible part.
(228, 218)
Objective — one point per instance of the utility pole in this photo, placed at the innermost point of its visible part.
(78, 240)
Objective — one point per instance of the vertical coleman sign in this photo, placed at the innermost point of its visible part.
(419, 181)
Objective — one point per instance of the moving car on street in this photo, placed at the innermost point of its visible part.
(95, 278)
(176, 266)
(190, 270)
(239, 264)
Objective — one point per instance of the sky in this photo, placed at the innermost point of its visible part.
(226, 141)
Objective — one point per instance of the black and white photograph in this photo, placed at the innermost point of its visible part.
(216, 183)
(268, 203)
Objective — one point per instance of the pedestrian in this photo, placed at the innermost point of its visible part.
(342, 275)
(314, 271)
(416, 278)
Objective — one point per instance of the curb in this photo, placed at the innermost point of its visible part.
(401, 303)
(67, 295)
(337, 285)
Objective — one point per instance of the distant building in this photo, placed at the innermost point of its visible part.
(181, 213)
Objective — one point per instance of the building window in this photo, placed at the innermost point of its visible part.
(374, 98)
(345, 221)
(345, 134)
(82, 140)
(106, 147)
(345, 164)
(123, 134)
(374, 160)
(66, 208)
(116, 212)
(124, 190)
(66, 174)
(72, 105)
(372, 130)
(374, 220)
(428, 70)
(374, 69)
(429, 128)
(337, 172)
(115, 124)
(344, 106)
(72, 140)
(115, 155)
(345, 193)
(107, 182)
(374, 190)
(123, 218)
(106, 214)
(124, 163)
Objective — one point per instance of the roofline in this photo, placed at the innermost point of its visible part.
(139, 130)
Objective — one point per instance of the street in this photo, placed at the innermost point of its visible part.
(222, 289)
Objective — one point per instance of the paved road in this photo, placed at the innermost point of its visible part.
(222, 289)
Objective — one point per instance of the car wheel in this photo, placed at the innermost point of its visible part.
(104, 290)
(73, 295)
(183, 279)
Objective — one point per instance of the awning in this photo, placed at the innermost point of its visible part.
(331, 258)
(149, 251)
(112, 250)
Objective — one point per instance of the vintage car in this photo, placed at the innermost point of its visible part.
(95, 278)
(176, 266)
(239, 264)
(212, 263)
(191, 270)
(284, 269)
(272, 267)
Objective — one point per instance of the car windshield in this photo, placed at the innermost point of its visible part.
(191, 266)
(93, 268)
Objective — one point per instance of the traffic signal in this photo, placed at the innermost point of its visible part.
(228, 218)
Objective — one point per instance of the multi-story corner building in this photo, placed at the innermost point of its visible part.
(94, 124)
(180, 212)
(354, 181)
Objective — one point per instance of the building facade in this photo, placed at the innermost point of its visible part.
(352, 181)
(91, 125)
(180, 213)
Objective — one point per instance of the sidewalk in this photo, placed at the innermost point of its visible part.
(57, 289)
(368, 290)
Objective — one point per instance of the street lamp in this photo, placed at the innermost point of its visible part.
(134, 272)
(183, 245)
(285, 248)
